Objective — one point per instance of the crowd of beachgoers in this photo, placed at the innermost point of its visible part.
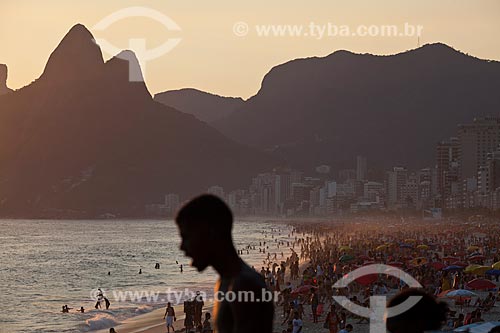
(455, 262)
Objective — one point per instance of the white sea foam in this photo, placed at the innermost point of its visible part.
(100, 321)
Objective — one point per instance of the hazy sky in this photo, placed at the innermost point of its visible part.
(211, 57)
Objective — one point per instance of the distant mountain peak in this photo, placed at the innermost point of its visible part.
(134, 68)
(3, 80)
(76, 57)
(203, 105)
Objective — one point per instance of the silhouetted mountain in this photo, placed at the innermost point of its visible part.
(204, 106)
(3, 80)
(392, 109)
(82, 140)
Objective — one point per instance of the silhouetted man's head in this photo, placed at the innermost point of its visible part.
(205, 225)
(427, 314)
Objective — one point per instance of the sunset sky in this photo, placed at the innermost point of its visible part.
(211, 57)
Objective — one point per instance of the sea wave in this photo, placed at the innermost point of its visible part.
(100, 321)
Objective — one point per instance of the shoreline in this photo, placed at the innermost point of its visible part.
(153, 322)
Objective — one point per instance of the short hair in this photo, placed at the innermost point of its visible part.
(427, 314)
(206, 209)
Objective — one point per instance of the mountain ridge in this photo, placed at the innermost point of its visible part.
(338, 103)
(85, 144)
(205, 106)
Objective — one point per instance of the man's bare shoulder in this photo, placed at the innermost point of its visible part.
(248, 279)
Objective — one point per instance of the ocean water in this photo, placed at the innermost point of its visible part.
(47, 264)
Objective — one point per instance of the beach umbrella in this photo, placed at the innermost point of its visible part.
(496, 265)
(303, 289)
(423, 247)
(460, 293)
(444, 293)
(481, 270)
(405, 246)
(460, 263)
(419, 261)
(472, 248)
(366, 280)
(483, 327)
(453, 268)
(480, 284)
(477, 258)
(410, 240)
(471, 268)
(345, 248)
(494, 272)
(346, 257)
(396, 264)
(381, 248)
(438, 265)
(449, 258)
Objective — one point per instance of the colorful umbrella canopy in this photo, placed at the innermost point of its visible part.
(381, 247)
(471, 268)
(346, 257)
(304, 289)
(396, 264)
(460, 263)
(419, 261)
(460, 293)
(405, 246)
(444, 293)
(477, 258)
(494, 272)
(453, 268)
(481, 270)
(449, 258)
(410, 240)
(423, 247)
(478, 327)
(345, 248)
(438, 265)
(480, 284)
(496, 265)
(366, 280)
(473, 248)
